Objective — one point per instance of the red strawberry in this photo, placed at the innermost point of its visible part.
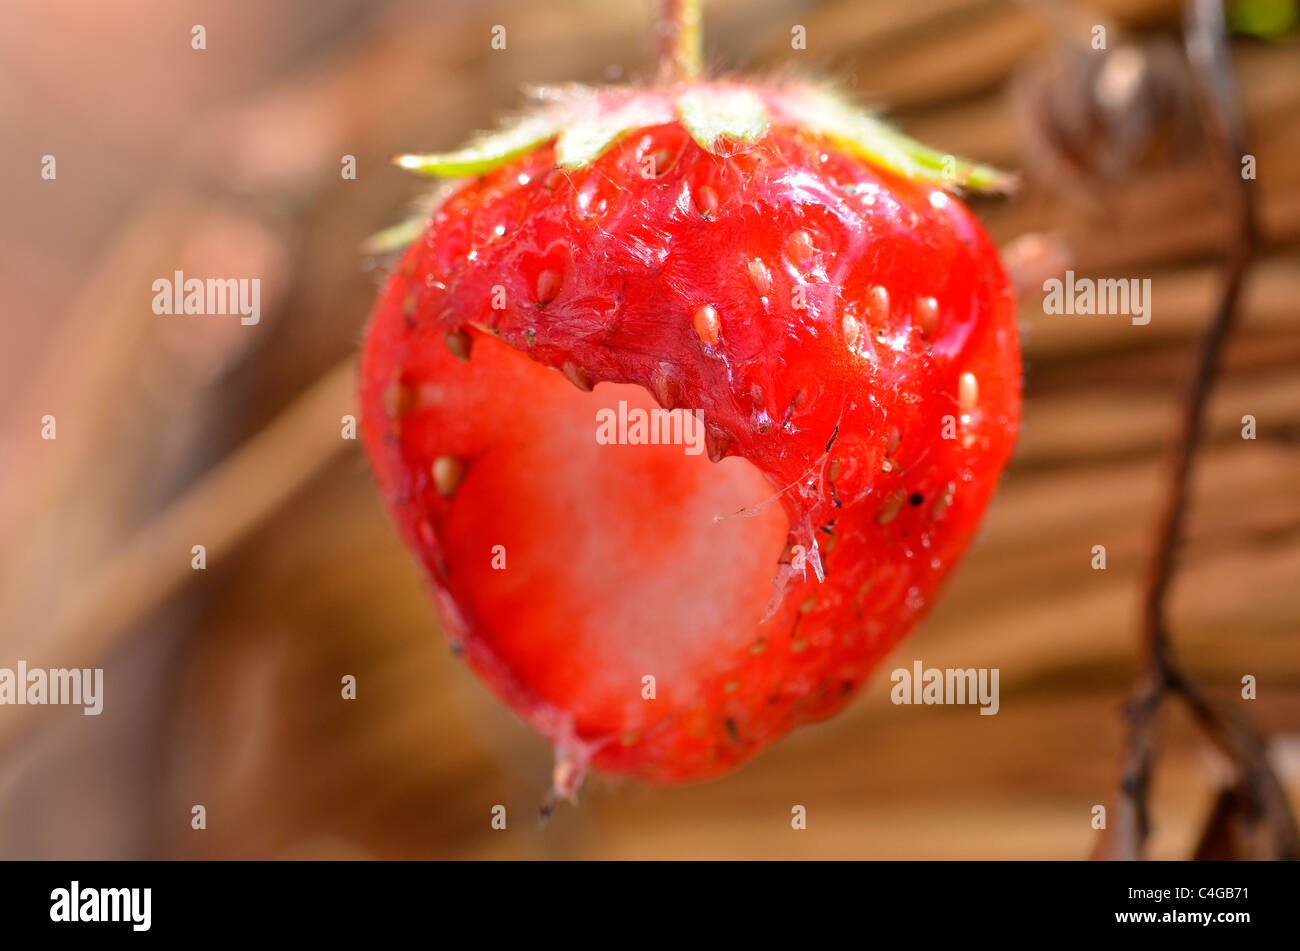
(767, 257)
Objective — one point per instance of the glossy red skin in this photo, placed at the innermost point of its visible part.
(635, 258)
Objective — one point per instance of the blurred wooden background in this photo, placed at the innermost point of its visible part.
(223, 686)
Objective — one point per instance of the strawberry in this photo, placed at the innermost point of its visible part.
(793, 271)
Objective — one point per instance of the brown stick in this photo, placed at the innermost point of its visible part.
(218, 512)
(1235, 735)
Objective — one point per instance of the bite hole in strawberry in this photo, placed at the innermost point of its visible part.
(584, 564)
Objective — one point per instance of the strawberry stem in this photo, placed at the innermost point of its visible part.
(681, 49)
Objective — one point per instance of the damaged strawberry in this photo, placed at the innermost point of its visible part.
(795, 275)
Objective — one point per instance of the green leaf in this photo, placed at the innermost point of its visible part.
(486, 152)
(1265, 19)
(585, 139)
(398, 236)
(712, 113)
(393, 238)
(881, 144)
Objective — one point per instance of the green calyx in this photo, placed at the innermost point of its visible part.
(583, 123)
(486, 152)
(714, 115)
(586, 138)
(829, 114)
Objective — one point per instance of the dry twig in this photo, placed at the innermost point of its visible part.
(1262, 795)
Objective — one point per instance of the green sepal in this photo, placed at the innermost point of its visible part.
(828, 114)
(393, 238)
(586, 138)
(487, 152)
(710, 114)
(398, 236)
